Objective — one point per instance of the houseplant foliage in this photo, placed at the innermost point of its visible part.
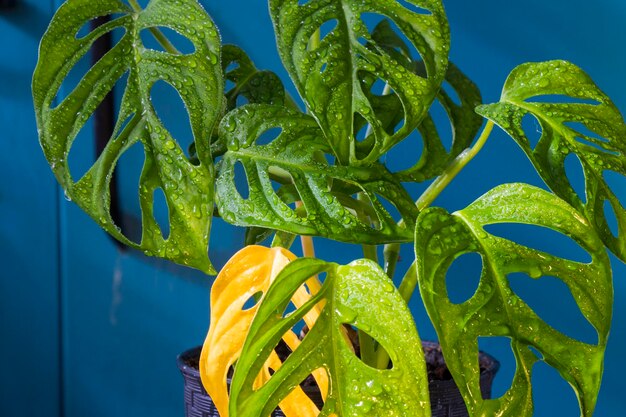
(323, 174)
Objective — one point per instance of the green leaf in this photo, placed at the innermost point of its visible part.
(245, 84)
(262, 87)
(465, 124)
(297, 154)
(329, 75)
(188, 188)
(495, 310)
(359, 294)
(575, 118)
(464, 121)
(256, 235)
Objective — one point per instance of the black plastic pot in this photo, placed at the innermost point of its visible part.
(445, 398)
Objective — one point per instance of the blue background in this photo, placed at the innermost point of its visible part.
(91, 330)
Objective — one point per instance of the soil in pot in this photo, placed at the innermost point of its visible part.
(445, 398)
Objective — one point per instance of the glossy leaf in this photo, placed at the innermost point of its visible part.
(298, 152)
(260, 87)
(575, 118)
(361, 295)
(465, 124)
(495, 310)
(245, 84)
(464, 121)
(328, 76)
(248, 274)
(188, 187)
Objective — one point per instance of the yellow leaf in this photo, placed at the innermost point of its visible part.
(249, 273)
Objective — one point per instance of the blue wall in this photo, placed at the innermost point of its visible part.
(91, 330)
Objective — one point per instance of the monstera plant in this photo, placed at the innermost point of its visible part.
(368, 72)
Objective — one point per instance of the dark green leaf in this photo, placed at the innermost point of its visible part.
(575, 118)
(188, 188)
(464, 121)
(329, 77)
(326, 191)
(262, 87)
(465, 124)
(249, 85)
(256, 235)
(495, 310)
(359, 294)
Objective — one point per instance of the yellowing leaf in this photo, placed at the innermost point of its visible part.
(248, 274)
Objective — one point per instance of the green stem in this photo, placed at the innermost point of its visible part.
(283, 240)
(407, 287)
(369, 251)
(391, 254)
(409, 282)
(392, 251)
(158, 35)
(453, 169)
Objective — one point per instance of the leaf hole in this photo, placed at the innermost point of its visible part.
(532, 129)
(324, 67)
(407, 153)
(452, 93)
(173, 114)
(183, 44)
(600, 146)
(610, 218)
(548, 385)
(232, 67)
(541, 238)
(581, 129)
(536, 352)
(325, 29)
(329, 158)
(307, 317)
(242, 100)
(347, 194)
(84, 151)
(228, 86)
(576, 176)
(289, 309)
(241, 180)
(499, 347)
(311, 388)
(463, 277)
(127, 179)
(441, 119)
(397, 127)
(561, 99)
(284, 187)
(364, 132)
(616, 182)
(552, 300)
(96, 22)
(415, 9)
(85, 63)
(407, 54)
(390, 207)
(361, 335)
(269, 136)
(380, 88)
(253, 301)
(142, 3)
(160, 211)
